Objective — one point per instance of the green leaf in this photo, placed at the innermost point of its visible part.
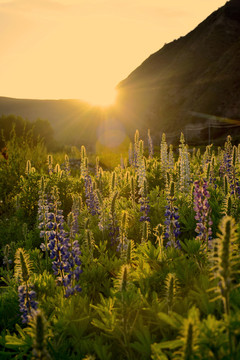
(173, 344)
(175, 320)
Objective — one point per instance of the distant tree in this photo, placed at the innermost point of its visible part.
(7, 123)
(43, 130)
(37, 130)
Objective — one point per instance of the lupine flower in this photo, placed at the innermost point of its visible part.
(238, 154)
(225, 261)
(97, 172)
(27, 302)
(164, 155)
(39, 334)
(113, 223)
(43, 210)
(141, 170)
(6, 260)
(211, 172)
(29, 168)
(91, 198)
(67, 166)
(58, 170)
(170, 158)
(150, 145)
(172, 229)
(136, 148)
(144, 204)
(88, 238)
(207, 156)
(130, 154)
(171, 290)
(142, 184)
(50, 164)
(122, 162)
(203, 211)
(112, 182)
(233, 179)
(64, 252)
(226, 156)
(26, 294)
(84, 163)
(184, 175)
(132, 190)
(76, 206)
(123, 241)
(145, 231)
(72, 268)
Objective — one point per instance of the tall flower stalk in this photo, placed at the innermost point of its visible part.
(142, 185)
(172, 229)
(225, 260)
(136, 149)
(50, 164)
(164, 155)
(43, 210)
(184, 166)
(26, 294)
(67, 166)
(123, 241)
(113, 223)
(91, 197)
(84, 162)
(64, 252)
(203, 211)
(39, 334)
(150, 145)
(130, 154)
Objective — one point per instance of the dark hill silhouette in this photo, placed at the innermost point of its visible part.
(175, 89)
(198, 73)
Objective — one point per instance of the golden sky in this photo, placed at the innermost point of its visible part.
(62, 49)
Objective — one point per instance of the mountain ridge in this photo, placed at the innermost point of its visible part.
(189, 74)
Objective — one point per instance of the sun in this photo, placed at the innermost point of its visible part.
(101, 96)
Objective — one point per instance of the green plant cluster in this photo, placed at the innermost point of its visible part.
(140, 298)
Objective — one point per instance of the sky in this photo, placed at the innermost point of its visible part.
(81, 49)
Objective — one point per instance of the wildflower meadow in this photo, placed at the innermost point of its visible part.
(141, 261)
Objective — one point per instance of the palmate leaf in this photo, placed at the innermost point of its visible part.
(73, 318)
(107, 315)
(212, 336)
(144, 341)
(157, 353)
(174, 320)
(102, 350)
(22, 343)
(149, 253)
(172, 344)
(191, 247)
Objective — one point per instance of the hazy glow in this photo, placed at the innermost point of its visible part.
(111, 133)
(82, 48)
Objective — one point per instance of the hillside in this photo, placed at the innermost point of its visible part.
(199, 72)
(74, 122)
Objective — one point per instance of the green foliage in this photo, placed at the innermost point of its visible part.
(9, 307)
(139, 299)
(225, 259)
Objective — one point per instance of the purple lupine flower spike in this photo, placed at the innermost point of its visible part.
(172, 229)
(203, 211)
